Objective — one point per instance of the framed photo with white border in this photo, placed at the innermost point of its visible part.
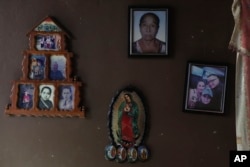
(148, 28)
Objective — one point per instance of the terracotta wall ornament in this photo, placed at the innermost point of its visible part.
(47, 86)
(127, 125)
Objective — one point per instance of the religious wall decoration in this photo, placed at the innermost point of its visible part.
(47, 86)
(127, 124)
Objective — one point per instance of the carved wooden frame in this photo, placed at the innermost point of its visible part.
(47, 87)
(35, 111)
(47, 54)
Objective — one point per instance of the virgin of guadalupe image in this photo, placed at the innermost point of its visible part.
(127, 121)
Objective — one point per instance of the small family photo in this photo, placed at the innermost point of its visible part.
(66, 97)
(205, 88)
(46, 97)
(48, 42)
(57, 67)
(25, 96)
(37, 67)
(148, 31)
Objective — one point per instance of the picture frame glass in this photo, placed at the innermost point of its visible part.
(148, 31)
(25, 96)
(127, 102)
(57, 67)
(37, 67)
(46, 97)
(66, 97)
(47, 42)
(206, 88)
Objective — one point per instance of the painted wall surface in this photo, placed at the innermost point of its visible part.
(200, 30)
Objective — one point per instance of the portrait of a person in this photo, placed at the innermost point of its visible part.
(55, 73)
(195, 93)
(217, 88)
(128, 121)
(37, 67)
(205, 100)
(44, 98)
(25, 100)
(149, 25)
(66, 98)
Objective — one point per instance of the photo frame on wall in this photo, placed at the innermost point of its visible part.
(46, 66)
(205, 88)
(37, 66)
(57, 67)
(66, 97)
(25, 96)
(47, 87)
(46, 97)
(48, 42)
(148, 28)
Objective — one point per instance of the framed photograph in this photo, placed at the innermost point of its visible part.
(205, 88)
(66, 97)
(25, 96)
(46, 97)
(48, 42)
(37, 64)
(148, 32)
(57, 67)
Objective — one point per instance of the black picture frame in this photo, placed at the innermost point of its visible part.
(148, 39)
(205, 88)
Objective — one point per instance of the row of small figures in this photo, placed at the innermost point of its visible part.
(122, 154)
